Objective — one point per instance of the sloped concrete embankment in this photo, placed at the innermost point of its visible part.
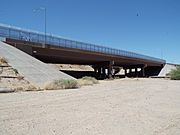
(33, 70)
(167, 69)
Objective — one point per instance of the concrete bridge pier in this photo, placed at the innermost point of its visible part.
(133, 71)
(104, 70)
(143, 70)
(136, 72)
(125, 72)
(99, 72)
(110, 69)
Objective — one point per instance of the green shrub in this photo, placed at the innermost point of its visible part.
(87, 81)
(15, 71)
(62, 84)
(94, 80)
(175, 74)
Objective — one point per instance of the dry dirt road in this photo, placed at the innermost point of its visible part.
(119, 107)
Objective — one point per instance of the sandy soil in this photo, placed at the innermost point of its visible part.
(119, 107)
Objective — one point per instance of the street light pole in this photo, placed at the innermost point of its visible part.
(45, 22)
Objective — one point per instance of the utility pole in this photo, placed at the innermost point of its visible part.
(45, 22)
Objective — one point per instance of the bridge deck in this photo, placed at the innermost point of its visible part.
(59, 42)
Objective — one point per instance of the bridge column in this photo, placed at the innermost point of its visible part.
(104, 72)
(130, 72)
(143, 70)
(143, 73)
(125, 72)
(110, 70)
(136, 75)
(99, 71)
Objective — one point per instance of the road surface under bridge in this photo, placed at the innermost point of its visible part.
(105, 61)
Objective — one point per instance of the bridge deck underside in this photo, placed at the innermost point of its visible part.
(79, 57)
(52, 54)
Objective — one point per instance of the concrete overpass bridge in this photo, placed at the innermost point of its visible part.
(105, 61)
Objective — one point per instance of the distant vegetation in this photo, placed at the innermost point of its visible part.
(70, 83)
(62, 84)
(15, 71)
(87, 80)
(175, 74)
(2, 60)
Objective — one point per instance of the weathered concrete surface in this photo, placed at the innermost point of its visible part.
(166, 69)
(32, 69)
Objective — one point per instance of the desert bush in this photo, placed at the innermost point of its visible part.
(19, 88)
(62, 84)
(20, 78)
(2, 60)
(175, 74)
(31, 88)
(15, 71)
(87, 81)
(94, 80)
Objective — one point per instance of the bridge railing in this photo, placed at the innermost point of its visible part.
(33, 36)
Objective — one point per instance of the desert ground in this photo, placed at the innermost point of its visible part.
(116, 107)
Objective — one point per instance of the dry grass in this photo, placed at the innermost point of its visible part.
(32, 88)
(87, 81)
(18, 88)
(62, 84)
(20, 78)
(15, 71)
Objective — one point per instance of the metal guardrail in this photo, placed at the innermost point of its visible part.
(12, 32)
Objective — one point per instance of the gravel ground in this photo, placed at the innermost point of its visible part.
(119, 107)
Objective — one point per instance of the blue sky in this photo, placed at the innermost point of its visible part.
(150, 27)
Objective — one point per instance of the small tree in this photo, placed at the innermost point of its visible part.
(175, 73)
